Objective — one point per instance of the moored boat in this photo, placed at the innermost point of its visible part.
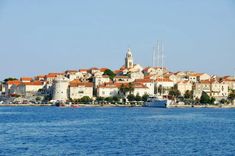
(157, 102)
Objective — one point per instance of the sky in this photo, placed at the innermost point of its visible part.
(41, 36)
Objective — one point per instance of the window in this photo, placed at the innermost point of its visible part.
(103, 92)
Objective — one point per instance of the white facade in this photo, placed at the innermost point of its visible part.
(184, 86)
(213, 89)
(60, 89)
(29, 88)
(141, 91)
(80, 90)
(99, 80)
(136, 75)
(166, 83)
(107, 91)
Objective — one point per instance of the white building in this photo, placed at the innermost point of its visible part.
(107, 90)
(183, 86)
(148, 83)
(213, 88)
(140, 89)
(79, 90)
(196, 77)
(11, 87)
(30, 88)
(101, 79)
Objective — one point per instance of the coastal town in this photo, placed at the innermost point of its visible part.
(131, 82)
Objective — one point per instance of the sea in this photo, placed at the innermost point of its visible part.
(56, 131)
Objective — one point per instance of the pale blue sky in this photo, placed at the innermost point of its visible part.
(40, 36)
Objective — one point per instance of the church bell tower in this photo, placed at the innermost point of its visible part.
(129, 59)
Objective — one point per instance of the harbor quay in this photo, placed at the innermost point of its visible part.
(130, 85)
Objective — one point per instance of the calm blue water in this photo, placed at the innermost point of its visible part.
(116, 131)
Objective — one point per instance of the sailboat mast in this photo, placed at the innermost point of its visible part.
(162, 50)
(158, 49)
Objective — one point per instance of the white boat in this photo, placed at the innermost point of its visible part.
(154, 101)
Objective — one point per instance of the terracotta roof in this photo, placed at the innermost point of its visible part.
(34, 83)
(53, 75)
(228, 80)
(163, 80)
(86, 84)
(148, 76)
(26, 79)
(144, 80)
(196, 74)
(40, 76)
(107, 85)
(14, 82)
(208, 81)
(103, 69)
(139, 85)
(75, 81)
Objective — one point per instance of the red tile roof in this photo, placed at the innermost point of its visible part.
(34, 83)
(103, 69)
(14, 82)
(144, 80)
(26, 79)
(86, 84)
(164, 80)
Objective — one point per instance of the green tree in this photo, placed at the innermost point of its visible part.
(204, 99)
(99, 99)
(231, 95)
(116, 98)
(145, 97)
(38, 99)
(212, 100)
(109, 99)
(138, 97)
(85, 99)
(10, 79)
(188, 94)
(110, 73)
(223, 101)
(130, 88)
(173, 92)
(131, 97)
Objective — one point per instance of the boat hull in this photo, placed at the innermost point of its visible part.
(157, 104)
